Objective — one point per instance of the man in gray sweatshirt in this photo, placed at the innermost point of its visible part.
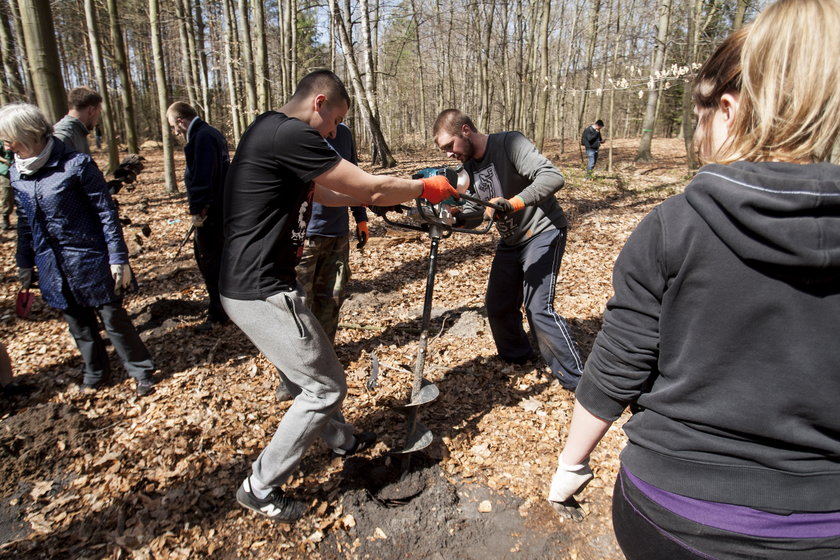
(506, 168)
(85, 107)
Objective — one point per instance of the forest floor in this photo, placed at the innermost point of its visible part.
(112, 475)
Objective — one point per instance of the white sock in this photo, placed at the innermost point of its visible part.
(258, 490)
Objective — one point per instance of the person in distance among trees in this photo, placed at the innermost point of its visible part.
(82, 117)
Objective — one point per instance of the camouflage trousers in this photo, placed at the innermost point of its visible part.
(323, 272)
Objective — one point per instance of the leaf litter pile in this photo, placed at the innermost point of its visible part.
(112, 475)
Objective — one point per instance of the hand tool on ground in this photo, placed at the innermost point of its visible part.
(184, 241)
(437, 221)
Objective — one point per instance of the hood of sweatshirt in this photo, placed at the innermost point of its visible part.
(784, 216)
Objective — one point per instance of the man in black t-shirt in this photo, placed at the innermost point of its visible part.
(281, 165)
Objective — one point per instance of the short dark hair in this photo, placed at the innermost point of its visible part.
(452, 120)
(599, 122)
(322, 81)
(83, 97)
(182, 110)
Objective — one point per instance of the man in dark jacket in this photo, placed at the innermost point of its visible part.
(207, 157)
(591, 140)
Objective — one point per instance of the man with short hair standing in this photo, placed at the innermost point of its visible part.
(207, 158)
(85, 107)
(505, 168)
(282, 165)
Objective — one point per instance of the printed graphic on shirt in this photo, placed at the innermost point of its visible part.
(487, 186)
(298, 234)
(486, 183)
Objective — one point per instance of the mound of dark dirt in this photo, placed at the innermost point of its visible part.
(425, 514)
(33, 443)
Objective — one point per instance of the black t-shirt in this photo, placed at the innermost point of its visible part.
(268, 201)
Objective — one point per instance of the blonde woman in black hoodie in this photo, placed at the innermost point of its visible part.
(722, 333)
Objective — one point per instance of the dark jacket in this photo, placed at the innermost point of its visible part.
(591, 138)
(723, 332)
(332, 221)
(68, 228)
(208, 160)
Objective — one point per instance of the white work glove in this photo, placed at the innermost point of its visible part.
(121, 273)
(567, 481)
(198, 219)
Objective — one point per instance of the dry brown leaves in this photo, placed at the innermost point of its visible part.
(155, 477)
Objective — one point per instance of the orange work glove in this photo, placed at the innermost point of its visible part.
(438, 188)
(508, 206)
(362, 234)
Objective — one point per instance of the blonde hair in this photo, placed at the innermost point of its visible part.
(24, 123)
(789, 107)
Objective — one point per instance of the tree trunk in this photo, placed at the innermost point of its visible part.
(13, 85)
(693, 7)
(247, 53)
(590, 53)
(570, 63)
(649, 121)
(102, 85)
(370, 82)
(261, 57)
(231, 81)
(186, 66)
(42, 53)
(20, 40)
(160, 80)
(542, 104)
(200, 49)
(740, 11)
(619, 38)
(380, 146)
(422, 75)
(125, 78)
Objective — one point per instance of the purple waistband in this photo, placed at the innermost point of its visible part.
(741, 519)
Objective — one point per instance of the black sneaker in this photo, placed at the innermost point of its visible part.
(364, 440)
(275, 506)
(145, 387)
(521, 361)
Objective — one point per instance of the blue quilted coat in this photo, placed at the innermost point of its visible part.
(68, 229)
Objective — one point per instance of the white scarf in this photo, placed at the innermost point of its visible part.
(31, 165)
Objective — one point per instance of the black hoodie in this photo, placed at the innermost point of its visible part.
(723, 334)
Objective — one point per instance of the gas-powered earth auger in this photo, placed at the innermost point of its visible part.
(439, 222)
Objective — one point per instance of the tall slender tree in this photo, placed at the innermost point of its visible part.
(102, 84)
(42, 54)
(11, 86)
(163, 104)
(649, 122)
(542, 105)
(246, 51)
(381, 152)
(125, 90)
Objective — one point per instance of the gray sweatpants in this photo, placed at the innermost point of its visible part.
(283, 328)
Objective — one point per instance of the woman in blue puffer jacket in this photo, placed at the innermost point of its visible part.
(69, 230)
